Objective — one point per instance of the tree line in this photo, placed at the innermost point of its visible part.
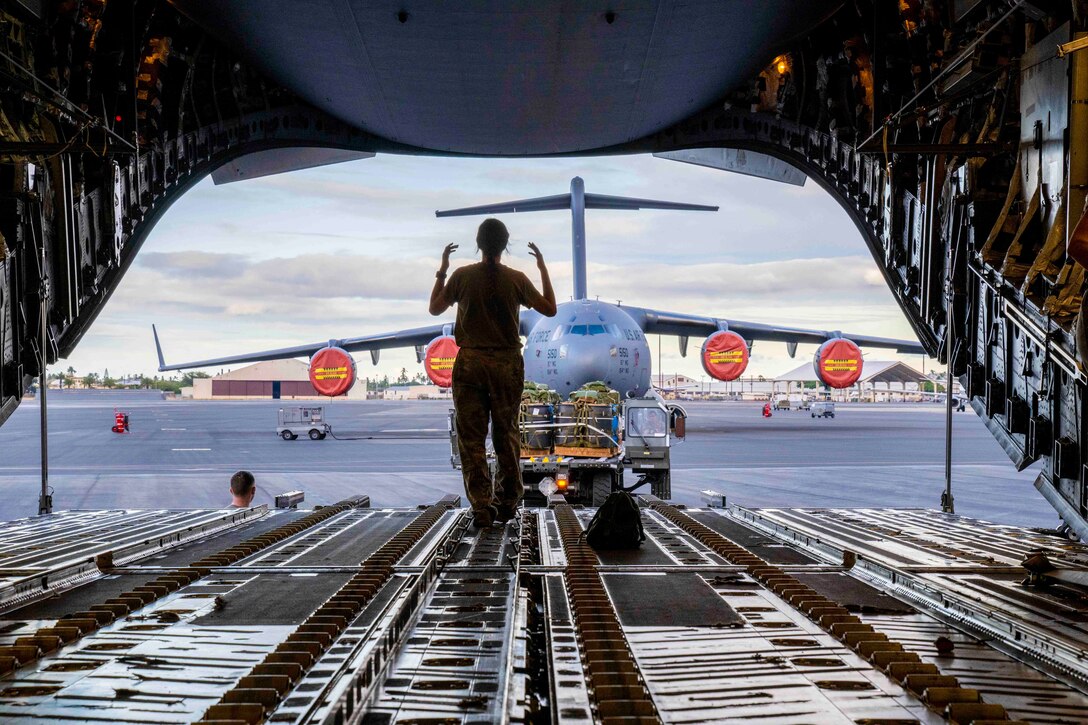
(69, 379)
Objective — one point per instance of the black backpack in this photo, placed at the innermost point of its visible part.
(617, 523)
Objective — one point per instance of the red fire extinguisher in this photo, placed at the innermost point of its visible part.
(120, 422)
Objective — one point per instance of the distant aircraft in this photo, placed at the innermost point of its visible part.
(587, 339)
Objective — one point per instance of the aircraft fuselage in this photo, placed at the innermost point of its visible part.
(588, 340)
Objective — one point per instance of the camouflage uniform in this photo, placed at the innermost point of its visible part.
(488, 383)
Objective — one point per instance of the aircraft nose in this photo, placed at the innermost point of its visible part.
(591, 363)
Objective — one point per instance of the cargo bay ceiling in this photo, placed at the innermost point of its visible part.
(953, 132)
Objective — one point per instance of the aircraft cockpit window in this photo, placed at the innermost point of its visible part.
(614, 331)
(559, 331)
(578, 330)
(596, 329)
(646, 422)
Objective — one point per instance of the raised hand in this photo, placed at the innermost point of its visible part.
(535, 251)
(450, 249)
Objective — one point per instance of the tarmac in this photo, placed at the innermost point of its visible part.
(181, 453)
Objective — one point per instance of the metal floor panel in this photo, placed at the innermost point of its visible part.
(963, 571)
(306, 618)
(1025, 692)
(452, 662)
(912, 538)
(42, 555)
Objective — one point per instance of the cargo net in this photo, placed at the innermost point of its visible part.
(536, 417)
(587, 421)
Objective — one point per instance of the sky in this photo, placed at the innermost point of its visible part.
(351, 249)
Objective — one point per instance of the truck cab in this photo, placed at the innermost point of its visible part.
(650, 426)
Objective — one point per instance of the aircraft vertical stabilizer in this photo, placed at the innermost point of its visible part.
(577, 201)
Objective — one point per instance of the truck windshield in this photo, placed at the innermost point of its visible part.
(647, 422)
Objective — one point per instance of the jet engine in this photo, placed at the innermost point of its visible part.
(332, 371)
(439, 358)
(838, 363)
(725, 355)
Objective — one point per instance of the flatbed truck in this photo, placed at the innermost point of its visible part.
(648, 427)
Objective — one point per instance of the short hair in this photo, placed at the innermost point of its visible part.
(492, 237)
(242, 483)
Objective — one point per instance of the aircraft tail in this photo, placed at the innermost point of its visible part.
(577, 201)
(158, 348)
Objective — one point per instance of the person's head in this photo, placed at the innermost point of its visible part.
(243, 487)
(492, 238)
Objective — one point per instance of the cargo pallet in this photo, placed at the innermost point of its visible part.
(586, 452)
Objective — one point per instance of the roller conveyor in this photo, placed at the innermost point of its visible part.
(352, 614)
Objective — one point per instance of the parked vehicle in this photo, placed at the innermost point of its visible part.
(306, 420)
(823, 409)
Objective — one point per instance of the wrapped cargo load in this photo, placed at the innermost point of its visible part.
(538, 393)
(537, 409)
(588, 423)
(597, 392)
(533, 439)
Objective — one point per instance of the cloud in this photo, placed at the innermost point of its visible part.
(351, 249)
(308, 286)
(195, 264)
(829, 281)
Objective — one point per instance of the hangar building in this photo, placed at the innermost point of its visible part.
(875, 372)
(274, 380)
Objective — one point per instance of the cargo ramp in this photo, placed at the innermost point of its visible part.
(352, 614)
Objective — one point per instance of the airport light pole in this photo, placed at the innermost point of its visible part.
(660, 371)
(45, 500)
(948, 504)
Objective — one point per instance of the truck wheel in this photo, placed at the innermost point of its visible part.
(315, 435)
(286, 435)
(813, 415)
(602, 487)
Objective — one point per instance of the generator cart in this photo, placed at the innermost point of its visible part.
(293, 422)
(635, 436)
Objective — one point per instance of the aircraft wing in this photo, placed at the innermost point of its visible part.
(656, 322)
(372, 343)
(563, 201)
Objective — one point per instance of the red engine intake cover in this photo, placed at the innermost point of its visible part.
(725, 355)
(838, 363)
(332, 371)
(439, 358)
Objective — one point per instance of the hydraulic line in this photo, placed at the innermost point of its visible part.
(382, 438)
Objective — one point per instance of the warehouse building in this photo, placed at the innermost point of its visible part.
(881, 380)
(416, 392)
(274, 379)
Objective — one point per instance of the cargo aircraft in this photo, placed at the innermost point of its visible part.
(587, 339)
